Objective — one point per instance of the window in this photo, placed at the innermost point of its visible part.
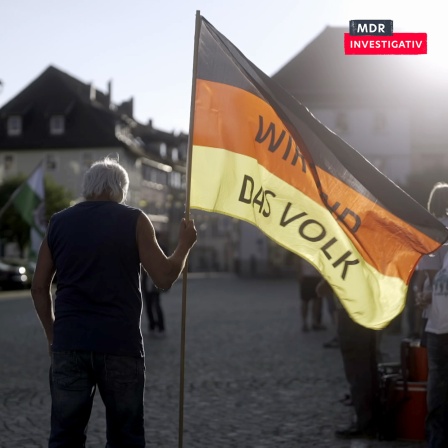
(155, 175)
(162, 150)
(175, 155)
(57, 125)
(9, 162)
(14, 125)
(176, 179)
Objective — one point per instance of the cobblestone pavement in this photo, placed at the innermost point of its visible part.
(252, 378)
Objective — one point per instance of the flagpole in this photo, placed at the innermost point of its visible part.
(187, 217)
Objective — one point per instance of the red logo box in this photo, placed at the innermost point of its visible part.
(397, 44)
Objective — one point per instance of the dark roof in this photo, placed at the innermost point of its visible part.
(323, 73)
(152, 138)
(89, 122)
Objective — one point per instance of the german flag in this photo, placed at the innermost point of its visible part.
(260, 156)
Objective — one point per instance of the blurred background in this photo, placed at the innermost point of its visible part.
(84, 80)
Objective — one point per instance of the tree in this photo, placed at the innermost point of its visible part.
(12, 227)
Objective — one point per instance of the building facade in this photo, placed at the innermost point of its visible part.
(70, 124)
(391, 109)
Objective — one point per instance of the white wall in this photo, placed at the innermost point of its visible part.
(382, 136)
(69, 167)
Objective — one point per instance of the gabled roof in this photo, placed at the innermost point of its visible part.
(90, 119)
(323, 73)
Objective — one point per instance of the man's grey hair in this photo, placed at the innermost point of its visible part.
(108, 177)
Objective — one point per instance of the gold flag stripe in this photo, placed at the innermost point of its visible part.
(235, 188)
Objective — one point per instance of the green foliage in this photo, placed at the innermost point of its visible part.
(56, 197)
(12, 226)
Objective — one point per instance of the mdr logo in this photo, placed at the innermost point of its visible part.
(376, 37)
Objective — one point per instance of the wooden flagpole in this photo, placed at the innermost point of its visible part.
(187, 216)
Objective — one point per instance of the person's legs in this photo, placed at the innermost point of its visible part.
(437, 392)
(121, 382)
(333, 312)
(149, 302)
(316, 302)
(159, 312)
(304, 312)
(308, 296)
(72, 390)
(358, 350)
(317, 313)
(365, 385)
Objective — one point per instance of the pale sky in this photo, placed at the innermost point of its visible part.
(146, 46)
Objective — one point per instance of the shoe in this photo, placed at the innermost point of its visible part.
(353, 433)
(333, 343)
(319, 327)
(346, 400)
